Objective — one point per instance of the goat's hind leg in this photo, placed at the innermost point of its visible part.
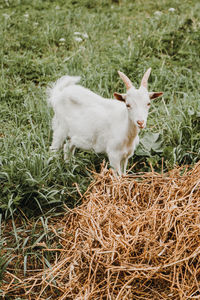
(59, 135)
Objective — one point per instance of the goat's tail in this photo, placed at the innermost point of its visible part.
(54, 90)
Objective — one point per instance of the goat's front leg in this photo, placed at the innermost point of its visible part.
(114, 160)
(124, 163)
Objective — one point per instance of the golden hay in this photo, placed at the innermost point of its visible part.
(135, 237)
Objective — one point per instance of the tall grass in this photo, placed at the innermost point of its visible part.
(38, 45)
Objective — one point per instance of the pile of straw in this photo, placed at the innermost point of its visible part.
(135, 237)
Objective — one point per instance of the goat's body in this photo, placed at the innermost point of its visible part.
(90, 121)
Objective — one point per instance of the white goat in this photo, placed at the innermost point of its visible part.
(86, 120)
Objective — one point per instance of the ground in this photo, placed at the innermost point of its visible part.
(40, 42)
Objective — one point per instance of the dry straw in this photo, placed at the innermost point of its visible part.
(135, 237)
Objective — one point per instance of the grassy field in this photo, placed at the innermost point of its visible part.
(42, 40)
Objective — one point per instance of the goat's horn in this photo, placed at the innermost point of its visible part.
(126, 80)
(145, 78)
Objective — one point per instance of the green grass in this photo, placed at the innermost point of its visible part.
(125, 35)
(122, 35)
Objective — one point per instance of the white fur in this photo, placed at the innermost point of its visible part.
(88, 121)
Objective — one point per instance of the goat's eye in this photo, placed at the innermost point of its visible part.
(128, 105)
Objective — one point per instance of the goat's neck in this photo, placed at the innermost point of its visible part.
(132, 131)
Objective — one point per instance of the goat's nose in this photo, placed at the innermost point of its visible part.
(140, 123)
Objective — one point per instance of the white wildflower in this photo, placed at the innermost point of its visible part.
(83, 35)
(57, 7)
(78, 39)
(77, 33)
(26, 16)
(171, 9)
(61, 41)
(158, 13)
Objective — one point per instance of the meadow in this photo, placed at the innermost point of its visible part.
(43, 40)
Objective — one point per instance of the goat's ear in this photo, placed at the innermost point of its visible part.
(154, 95)
(120, 97)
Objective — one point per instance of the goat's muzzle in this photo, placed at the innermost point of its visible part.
(141, 124)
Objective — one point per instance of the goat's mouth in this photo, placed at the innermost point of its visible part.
(141, 126)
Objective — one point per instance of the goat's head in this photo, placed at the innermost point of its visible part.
(137, 100)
